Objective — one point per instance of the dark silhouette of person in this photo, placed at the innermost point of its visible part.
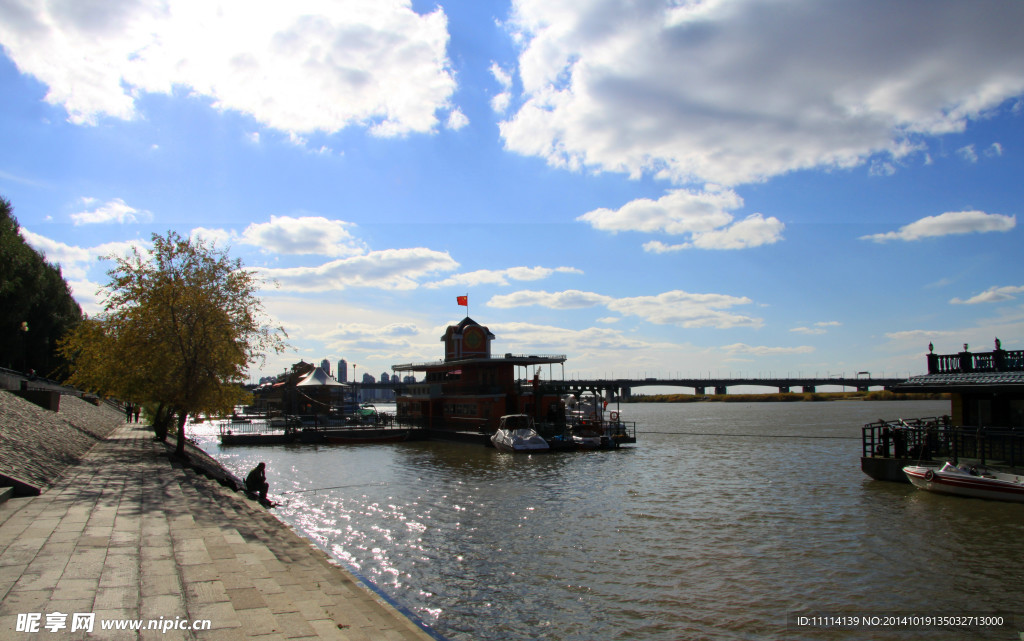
(128, 413)
(256, 481)
(138, 410)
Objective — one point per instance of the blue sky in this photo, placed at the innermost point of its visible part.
(719, 187)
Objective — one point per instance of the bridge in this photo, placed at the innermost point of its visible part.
(622, 387)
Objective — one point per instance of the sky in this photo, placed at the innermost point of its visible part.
(674, 188)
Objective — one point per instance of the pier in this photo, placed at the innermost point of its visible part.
(984, 425)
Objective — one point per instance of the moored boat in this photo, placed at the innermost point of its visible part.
(585, 439)
(517, 434)
(965, 480)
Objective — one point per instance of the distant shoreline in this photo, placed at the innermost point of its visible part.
(793, 397)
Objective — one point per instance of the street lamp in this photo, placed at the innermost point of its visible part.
(24, 345)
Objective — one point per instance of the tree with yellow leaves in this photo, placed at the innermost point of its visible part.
(180, 326)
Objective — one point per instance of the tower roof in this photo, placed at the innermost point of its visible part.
(461, 327)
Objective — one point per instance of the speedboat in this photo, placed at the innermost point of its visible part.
(585, 439)
(516, 434)
(967, 480)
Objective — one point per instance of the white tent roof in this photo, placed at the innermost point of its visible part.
(319, 378)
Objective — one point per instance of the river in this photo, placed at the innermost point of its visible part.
(725, 521)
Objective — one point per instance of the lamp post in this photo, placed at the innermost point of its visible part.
(24, 345)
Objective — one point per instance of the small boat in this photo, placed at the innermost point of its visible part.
(585, 439)
(966, 480)
(516, 434)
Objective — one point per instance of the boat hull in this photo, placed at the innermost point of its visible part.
(961, 483)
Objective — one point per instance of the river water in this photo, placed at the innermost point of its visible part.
(724, 521)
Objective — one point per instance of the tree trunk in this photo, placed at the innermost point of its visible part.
(180, 449)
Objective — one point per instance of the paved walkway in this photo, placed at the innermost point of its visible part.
(130, 535)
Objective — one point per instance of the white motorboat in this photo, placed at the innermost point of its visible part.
(966, 480)
(516, 434)
(585, 439)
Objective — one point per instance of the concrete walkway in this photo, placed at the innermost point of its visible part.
(130, 535)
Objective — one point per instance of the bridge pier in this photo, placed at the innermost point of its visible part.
(721, 389)
(809, 389)
(784, 389)
(699, 391)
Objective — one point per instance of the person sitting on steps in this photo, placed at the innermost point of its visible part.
(256, 481)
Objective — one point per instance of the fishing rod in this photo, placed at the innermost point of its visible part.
(333, 487)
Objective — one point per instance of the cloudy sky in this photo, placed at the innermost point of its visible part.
(651, 187)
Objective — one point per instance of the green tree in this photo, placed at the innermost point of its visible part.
(36, 306)
(179, 328)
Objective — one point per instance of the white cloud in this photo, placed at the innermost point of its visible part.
(702, 215)
(669, 308)
(968, 153)
(87, 294)
(516, 337)
(743, 90)
(303, 235)
(761, 350)
(347, 337)
(817, 329)
(302, 66)
(991, 295)
(501, 101)
(685, 309)
(387, 269)
(75, 261)
(678, 212)
(457, 120)
(947, 224)
(501, 276)
(71, 258)
(112, 211)
(219, 237)
(569, 299)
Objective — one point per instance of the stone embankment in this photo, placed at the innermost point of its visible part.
(38, 445)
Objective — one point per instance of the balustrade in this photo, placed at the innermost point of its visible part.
(999, 360)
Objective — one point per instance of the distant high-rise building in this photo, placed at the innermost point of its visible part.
(342, 376)
(384, 378)
(325, 365)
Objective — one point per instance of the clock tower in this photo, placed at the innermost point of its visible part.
(468, 339)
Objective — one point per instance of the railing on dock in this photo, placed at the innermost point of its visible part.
(1000, 360)
(935, 439)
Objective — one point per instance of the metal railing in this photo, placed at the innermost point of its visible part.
(999, 360)
(935, 439)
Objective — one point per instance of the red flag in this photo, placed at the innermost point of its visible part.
(463, 300)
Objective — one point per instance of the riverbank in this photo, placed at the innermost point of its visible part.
(125, 534)
(795, 397)
(37, 445)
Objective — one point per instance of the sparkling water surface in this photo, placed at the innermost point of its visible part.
(722, 522)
